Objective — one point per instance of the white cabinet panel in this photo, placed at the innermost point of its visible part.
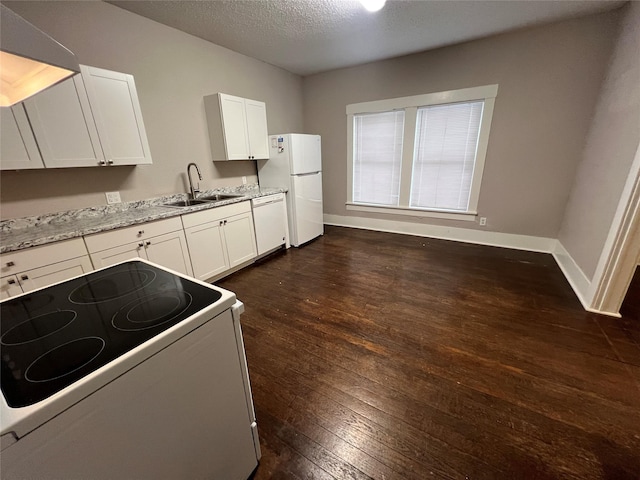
(162, 242)
(9, 287)
(220, 239)
(64, 127)
(18, 148)
(118, 254)
(50, 274)
(114, 102)
(257, 129)
(38, 267)
(234, 121)
(207, 250)
(92, 119)
(237, 127)
(170, 251)
(135, 233)
(240, 237)
(36, 257)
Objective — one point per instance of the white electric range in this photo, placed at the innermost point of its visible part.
(131, 371)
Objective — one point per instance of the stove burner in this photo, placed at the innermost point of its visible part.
(67, 358)
(38, 327)
(151, 311)
(111, 286)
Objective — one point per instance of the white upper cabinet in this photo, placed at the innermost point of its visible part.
(257, 129)
(18, 148)
(92, 119)
(237, 127)
(63, 126)
(116, 109)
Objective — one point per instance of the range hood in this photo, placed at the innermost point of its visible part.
(30, 60)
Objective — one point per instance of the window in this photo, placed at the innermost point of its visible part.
(377, 157)
(421, 155)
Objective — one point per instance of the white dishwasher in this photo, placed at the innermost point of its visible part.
(270, 221)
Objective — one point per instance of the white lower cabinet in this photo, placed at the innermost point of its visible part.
(220, 239)
(162, 242)
(10, 287)
(37, 267)
(204, 244)
(207, 250)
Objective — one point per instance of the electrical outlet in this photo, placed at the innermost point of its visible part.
(113, 197)
(244, 180)
(483, 221)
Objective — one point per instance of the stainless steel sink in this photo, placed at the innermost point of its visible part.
(219, 197)
(186, 203)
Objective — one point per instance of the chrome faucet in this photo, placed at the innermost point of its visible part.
(193, 191)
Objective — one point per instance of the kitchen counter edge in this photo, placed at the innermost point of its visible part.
(133, 213)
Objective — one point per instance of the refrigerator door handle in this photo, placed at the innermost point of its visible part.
(306, 174)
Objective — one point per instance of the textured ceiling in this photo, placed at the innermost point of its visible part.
(311, 36)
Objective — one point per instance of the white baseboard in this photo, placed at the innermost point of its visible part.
(468, 235)
(575, 276)
(578, 281)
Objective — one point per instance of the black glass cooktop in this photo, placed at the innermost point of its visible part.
(53, 337)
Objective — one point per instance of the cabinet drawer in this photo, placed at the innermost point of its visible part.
(30, 258)
(102, 241)
(215, 214)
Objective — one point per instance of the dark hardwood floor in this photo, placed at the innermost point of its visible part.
(375, 355)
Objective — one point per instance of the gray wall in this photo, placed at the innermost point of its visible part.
(173, 71)
(549, 80)
(610, 148)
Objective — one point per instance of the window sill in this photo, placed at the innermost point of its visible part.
(413, 212)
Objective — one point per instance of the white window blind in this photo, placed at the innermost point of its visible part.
(377, 157)
(445, 155)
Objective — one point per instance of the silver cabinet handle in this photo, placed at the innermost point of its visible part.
(140, 232)
(110, 162)
(25, 277)
(10, 264)
(141, 244)
(101, 162)
(147, 243)
(11, 282)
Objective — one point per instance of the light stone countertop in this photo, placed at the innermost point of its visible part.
(20, 233)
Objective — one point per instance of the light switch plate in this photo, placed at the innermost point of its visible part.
(113, 197)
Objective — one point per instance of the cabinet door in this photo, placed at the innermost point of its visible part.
(234, 125)
(18, 149)
(114, 102)
(170, 251)
(240, 239)
(64, 127)
(9, 287)
(207, 250)
(257, 129)
(118, 254)
(57, 272)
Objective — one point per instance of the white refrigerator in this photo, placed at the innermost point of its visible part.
(295, 163)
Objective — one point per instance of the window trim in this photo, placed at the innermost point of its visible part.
(487, 93)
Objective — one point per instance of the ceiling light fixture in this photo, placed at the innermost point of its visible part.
(373, 5)
(30, 60)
